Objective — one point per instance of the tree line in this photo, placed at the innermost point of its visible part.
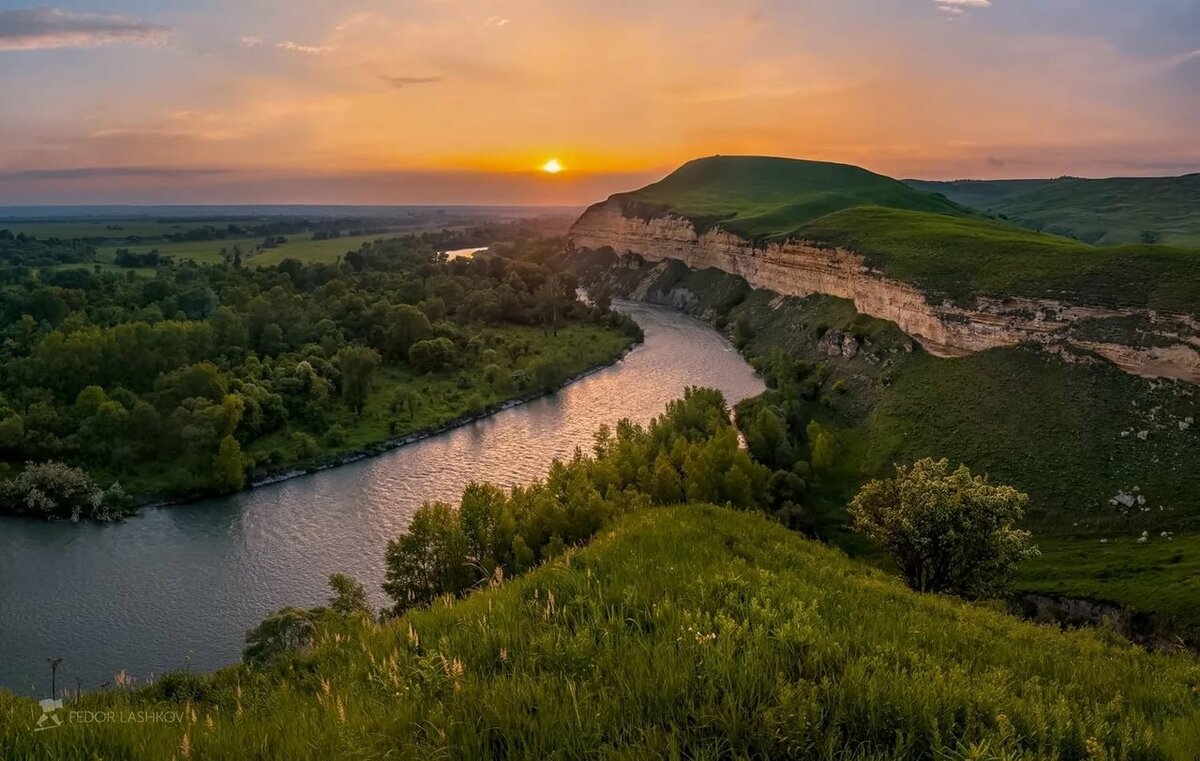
(120, 374)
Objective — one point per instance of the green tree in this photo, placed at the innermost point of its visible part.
(406, 326)
(433, 355)
(406, 400)
(948, 531)
(667, 486)
(229, 470)
(430, 560)
(358, 365)
(822, 446)
(349, 597)
(285, 631)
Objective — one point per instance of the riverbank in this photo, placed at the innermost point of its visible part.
(328, 461)
(415, 436)
(178, 587)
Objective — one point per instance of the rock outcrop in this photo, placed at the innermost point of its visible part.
(1170, 349)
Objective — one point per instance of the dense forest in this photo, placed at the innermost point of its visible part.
(190, 379)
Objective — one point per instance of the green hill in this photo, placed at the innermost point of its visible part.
(760, 197)
(963, 257)
(1104, 212)
(924, 238)
(689, 632)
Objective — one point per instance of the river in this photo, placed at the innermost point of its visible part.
(177, 587)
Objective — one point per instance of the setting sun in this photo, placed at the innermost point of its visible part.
(552, 166)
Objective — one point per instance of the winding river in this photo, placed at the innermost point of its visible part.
(177, 587)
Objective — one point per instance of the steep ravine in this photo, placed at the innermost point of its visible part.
(1162, 346)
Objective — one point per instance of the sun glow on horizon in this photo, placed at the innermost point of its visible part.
(552, 167)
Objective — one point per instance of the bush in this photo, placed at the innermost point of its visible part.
(290, 630)
(947, 531)
(56, 490)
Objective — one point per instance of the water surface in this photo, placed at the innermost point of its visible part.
(178, 587)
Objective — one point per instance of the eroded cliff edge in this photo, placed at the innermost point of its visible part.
(1141, 342)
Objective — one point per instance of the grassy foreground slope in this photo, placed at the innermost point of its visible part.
(1063, 429)
(689, 632)
(761, 197)
(1103, 211)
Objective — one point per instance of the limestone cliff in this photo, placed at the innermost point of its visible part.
(1161, 345)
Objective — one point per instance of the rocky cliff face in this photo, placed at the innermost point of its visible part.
(1160, 346)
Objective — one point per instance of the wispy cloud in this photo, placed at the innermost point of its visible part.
(250, 40)
(399, 82)
(84, 173)
(956, 8)
(296, 47)
(44, 28)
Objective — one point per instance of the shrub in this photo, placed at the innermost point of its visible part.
(948, 531)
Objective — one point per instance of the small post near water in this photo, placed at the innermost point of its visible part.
(53, 675)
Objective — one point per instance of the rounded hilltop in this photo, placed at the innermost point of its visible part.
(765, 196)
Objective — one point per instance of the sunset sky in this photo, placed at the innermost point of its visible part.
(462, 101)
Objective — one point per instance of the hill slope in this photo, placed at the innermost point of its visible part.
(953, 279)
(760, 196)
(1103, 212)
(691, 632)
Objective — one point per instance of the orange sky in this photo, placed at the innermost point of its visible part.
(457, 101)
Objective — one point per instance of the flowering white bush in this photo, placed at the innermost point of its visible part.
(947, 531)
(56, 490)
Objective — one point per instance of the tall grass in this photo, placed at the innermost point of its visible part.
(689, 632)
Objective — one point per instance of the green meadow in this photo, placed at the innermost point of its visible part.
(1104, 212)
(298, 246)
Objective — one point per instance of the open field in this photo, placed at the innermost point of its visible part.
(1103, 212)
(298, 246)
(685, 632)
(111, 228)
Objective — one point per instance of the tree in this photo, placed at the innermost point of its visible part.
(667, 486)
(429, 560)
(405, 399)
(358, 365)
(601, 295)
(547, 299)
(432, 355)
(349, 597)
(285, 631)
(229, 471)
(405, 326)
(948, 531)
(822, 444)
(767, 439)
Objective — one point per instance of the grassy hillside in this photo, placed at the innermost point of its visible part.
(689, 632)
(960, 258)
(1103, 212)
(760, 197)
(1066, 432)
(921, 237)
